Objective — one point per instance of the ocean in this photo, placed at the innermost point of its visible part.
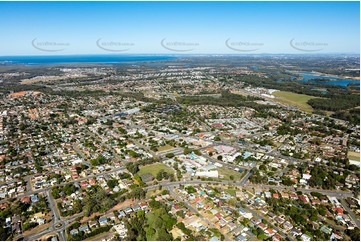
(70, 59)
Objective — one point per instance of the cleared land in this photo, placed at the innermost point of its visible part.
(227, 173)
(19, 94)
(153, 192)
(163, 148)
(154, 169)
(36, 230)
(242, 93)
(294, 99)
(100, 237)
(352, 155)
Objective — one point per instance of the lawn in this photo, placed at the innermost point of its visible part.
(154, 169)
(227, 173)
(294, 99)
(166, 147)
(231, 192)
(352, 155)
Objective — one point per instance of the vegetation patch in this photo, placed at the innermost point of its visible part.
(152, 226)
(154, 169)
(352, 155)
(165, 147)
(231, 192)
(294, 99)
(229, 174)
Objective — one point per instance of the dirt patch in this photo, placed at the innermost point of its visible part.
(19, 94)
(36, 230)
(126, 203)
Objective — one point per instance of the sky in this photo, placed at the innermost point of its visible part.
(58, 28)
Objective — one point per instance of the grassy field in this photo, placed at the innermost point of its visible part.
(294, 99)
(231, 192)
(154, 169)
(226, 172)
(353, 155)
(163, 148)
(241, 93)
(153, 192)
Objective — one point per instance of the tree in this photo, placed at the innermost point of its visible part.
(354, 234)
(180, 213)
(99, 201)
(159, 176)
(77, 206)
(163, 175)
(137, 193)
(132, 167)
(190, 189)
(197, 152)
(124, 175)
(169, 155)
(55, 193)
(29, 225)
(112, 183)
(98, 161)
(313, 217)
(134, 154)
(187, 151)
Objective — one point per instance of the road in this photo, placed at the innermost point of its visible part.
(330, 223)
(145, 148)
(261, 217)
(231, 166)
(170, 186)
(53, 229)
(274, 152)
(57, 222)
(62, 184)
(246, 177)
(350, 212)
(194, 210)
(79, 152)
(332, 193)
(339, 194)
(59, 225)
(111, 149)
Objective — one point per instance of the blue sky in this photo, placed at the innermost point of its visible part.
(29, 28)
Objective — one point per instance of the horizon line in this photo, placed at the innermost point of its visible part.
(181, 54)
